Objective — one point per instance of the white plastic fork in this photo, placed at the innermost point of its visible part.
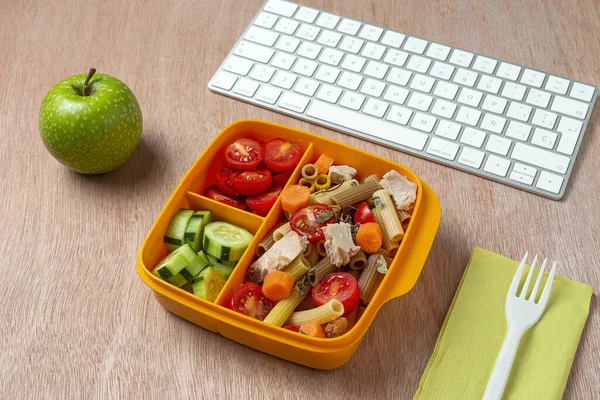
(521, 314)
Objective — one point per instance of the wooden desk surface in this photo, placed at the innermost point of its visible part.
(77, 322)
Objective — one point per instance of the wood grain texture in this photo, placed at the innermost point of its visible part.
(77, 322)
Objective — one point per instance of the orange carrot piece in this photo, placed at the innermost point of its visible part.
(278, 285)
(294, 197)
(369, 237)
(323, 163)
(312, 329)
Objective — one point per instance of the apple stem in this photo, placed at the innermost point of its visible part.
(87, 80)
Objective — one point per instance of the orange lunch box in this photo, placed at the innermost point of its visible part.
(310, 351)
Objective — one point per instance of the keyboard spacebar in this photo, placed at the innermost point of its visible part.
(368, 125)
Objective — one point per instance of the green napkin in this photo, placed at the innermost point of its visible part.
(474, 329)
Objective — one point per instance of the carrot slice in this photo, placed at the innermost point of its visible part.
(294, 197)
(312, 329)
(278, 285)
(323, 163)
(369, 237)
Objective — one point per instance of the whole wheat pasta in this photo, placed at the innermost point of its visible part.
(320, 270)
(321, 248)
(355, 273)
(403, 215)
(358, 261)
(312, 254)
(371, 178)
(368, 277)
(356, 194)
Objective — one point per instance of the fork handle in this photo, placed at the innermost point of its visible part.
(504, 362)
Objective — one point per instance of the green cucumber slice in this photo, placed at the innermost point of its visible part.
(188, 287)
(208, 283)
(173, 263)
(225, 241)
(175, 235)
(178, 280)
(225, 268)
(196, 262)
(195, 229)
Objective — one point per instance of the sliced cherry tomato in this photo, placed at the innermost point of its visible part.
(262, 204)
(282, 178)
(243, 154)
(363, 214)
(292, 328)
(310, 220)
(224, 182)
(250, 300)
(340, 286)
(281, 155)
(215, 194)
(251, 183)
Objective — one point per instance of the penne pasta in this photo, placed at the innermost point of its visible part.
(355, 194)
(281, 231)
(321, 248)
(369, 278)
(403, 215)
(324, 196)
(310, 172)
(322, 314)
(355, 273)
(265, 245)
(386, 245)
(371, 178)
(283, 309)
(390, 223)
(320, 270)
(312, 254)
(297, 268)
(323, 182)
(358, 261)
(374, 286)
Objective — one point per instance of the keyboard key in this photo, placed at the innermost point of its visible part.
(496, 165)
(544, 138)
(465, 77)
(485, 64)
(376, 70)
(373, 87)
(518, 177)
(442, 148)
(268, 94)
(287, 43)
(525, 169)
(353, 63)
(305, 67)
(375, 107)
(498, 144)
(396, 57)
(422, 83)
(350, 81)
(306, 86)
(308, 32)
(557, 85)
(393, 39)
(224, 80)
(329, 93)
(420, 101)
(443, 108)
(396, 94)
(494, 104)
(246, 87)
(309, 50)
(287, 26)
(262, 73)
(399, 76)
(582, 92)
(493, 123)
(540, 158)
(572, 108)
(518, 111)
(419, 64)
(441, 70)
(544, 119)
(533, 78)
(517, 130)
(460, 57)
(284, 79)
(267, 20)
(415, 45)
(254, 52)
(368, 125)
(293, 102)
(370, 32)
(508, 71)
(489, 84)
(327, 74)
(438, 51)
(400, 115)
(238, 65)
(349, 26)
(281, 7)
(446, 90)
(473, 137)
(447, 129)
(538, 98)
(550, 182)
(471, 157)
(570, 130)
(352, 100)
(329, 38)
(468, 116)
(470, 97)
(306, 14)
(514, 91)
(283, 61)
(373, 51)
(327, 20)
(423, 122)
(351, 45)
(331, 57)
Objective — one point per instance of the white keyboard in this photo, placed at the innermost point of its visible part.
(506, 122)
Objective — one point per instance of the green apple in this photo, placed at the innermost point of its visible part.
(91, 122)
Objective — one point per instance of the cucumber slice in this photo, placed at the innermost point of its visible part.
(188, 287)
(175, 234)
(178, 280)
(173, 263)
(195, 264)
(225, 241)
(195, 229)
(225, 268)
(208, 283)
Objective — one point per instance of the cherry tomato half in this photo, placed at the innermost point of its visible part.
(363, 214)
(293, 328)
(340, 286)
(309, 221)
(224, 182)
(251, 183)
(243, 154)
(250, 300)
(282, 178)
(281, 155)
(215, 194)
(262, 203)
